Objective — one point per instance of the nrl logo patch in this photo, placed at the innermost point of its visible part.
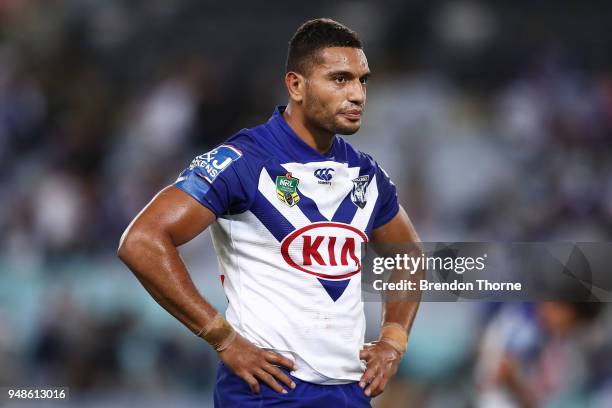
(358, 193)
(286, 189)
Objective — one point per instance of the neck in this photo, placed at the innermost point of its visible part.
(319, 139)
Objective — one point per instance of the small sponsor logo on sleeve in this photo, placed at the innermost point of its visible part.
(211, 164)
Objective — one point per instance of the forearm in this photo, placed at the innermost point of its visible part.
(156, 263)
(401, 312)
(398, 237)
(510, 375)
(523, 395)
(400, 309)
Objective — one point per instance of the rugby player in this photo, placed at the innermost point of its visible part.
(288, 203)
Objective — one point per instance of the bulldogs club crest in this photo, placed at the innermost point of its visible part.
(286, 189)
(358, 193)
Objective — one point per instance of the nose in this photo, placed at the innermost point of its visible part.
(356, 93)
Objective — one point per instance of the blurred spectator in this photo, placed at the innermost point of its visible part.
(540, 356)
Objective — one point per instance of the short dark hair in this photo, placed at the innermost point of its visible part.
(313, 36)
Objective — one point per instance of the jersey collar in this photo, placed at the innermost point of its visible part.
(286, 137)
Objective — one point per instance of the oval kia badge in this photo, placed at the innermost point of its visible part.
(329, 250)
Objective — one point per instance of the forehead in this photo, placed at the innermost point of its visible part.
(342, 59)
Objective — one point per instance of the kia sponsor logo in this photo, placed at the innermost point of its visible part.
(329, 250)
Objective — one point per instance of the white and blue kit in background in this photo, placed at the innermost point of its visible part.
(290, 224)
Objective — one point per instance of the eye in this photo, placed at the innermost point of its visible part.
(340, 79)
(363, 80)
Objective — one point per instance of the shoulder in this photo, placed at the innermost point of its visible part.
(367, 164)
(249, 145)
(221, 179)
(239, 151)
(357, 158)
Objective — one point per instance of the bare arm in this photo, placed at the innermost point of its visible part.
(149, 248)
(399, 231)
(384, 355)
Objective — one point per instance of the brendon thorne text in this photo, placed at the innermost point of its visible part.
(425, 285)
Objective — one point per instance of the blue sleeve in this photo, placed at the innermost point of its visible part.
(387, 194)
(218, 180)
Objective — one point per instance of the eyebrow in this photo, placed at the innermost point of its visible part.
(349, 74)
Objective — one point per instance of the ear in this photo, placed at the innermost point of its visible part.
(296, 84)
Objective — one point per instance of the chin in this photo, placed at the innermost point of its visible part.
(348, 132)
(347, 128)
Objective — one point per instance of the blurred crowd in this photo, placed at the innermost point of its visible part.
(494, 121)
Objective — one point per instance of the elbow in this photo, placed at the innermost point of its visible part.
(129, 245)
(140, 244)
(123, 249)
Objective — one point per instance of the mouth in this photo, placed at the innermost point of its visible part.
(354, 114)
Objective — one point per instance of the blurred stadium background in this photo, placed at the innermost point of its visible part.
(494, 120)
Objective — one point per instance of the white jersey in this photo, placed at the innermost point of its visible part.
(290, 224)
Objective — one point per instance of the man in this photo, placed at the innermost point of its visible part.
(288, 204)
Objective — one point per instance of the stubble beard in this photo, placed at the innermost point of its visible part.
(319, 117)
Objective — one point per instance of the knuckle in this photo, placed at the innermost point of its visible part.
(274, 385)
(280, 375)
